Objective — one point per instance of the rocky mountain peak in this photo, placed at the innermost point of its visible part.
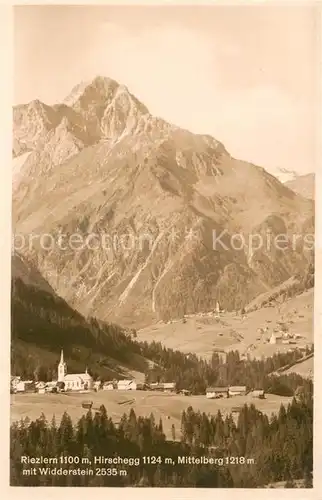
(108, 167)
(107, 107)
(97, 90)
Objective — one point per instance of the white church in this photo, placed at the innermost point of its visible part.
(73, 381)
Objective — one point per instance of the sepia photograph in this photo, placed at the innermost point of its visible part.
(163, 246)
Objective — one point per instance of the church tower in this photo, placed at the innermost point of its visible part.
(62, 371)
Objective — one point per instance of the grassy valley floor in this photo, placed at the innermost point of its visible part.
(169, 407)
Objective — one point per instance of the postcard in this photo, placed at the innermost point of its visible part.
(163, 246)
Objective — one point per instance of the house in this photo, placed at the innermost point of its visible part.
(216, 392)
(258, 393)
(40, 387)
(163, 386)
(51, 386)
(156, 386)
(237, 390)
(20, 386)
(185, 392)
(73, 381)
(30, 386)
(97, 385)
(141, 386)
(87, 405)
(14, 381)
(236, 409)
(275, 338)
(108, 386)
(126, 385)
(169, 386)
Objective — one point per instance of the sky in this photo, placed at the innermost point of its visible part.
(246, 75)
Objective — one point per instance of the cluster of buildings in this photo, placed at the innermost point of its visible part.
(236, 390)
(128, 385)
(83, 382)
(65, 381)
(284, 338)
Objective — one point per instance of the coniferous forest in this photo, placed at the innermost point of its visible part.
(251, 451)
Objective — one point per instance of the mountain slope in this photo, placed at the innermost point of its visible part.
(43, 323)
(204, 333)
(146, 200)
(303, 185)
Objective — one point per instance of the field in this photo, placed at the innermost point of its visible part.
(166, 406)
(201, 334)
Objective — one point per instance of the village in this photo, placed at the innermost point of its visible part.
(84, 383)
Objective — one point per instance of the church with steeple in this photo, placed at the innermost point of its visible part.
(73, 381)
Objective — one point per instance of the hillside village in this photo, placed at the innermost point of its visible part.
(279, 325)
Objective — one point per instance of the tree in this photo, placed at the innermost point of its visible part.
(173, 432)
(66, 434)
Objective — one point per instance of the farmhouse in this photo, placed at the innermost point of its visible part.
(157, 386)
(108, 386)
(73, 381)
(23, 385)
(141, 386)
(237, 390)
(169, 386)
(87, 404)
(163, 386)
(185, 392)
(50, 386)
(97, 385)
(236, 409)
(126, 385)
(30, 386)
(258, 393)
(275, 338)
(14, 381)
(41, 387)
(216, 392)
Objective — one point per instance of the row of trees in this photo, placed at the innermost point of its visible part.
(195, 374)
(280, 448)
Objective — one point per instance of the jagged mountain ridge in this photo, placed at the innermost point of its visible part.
(161, 188)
